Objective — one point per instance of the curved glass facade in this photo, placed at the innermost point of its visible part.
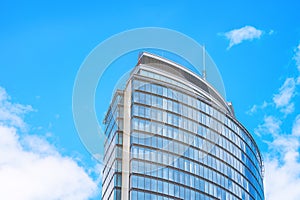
(183, 142)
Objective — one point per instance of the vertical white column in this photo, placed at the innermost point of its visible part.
(126, 143)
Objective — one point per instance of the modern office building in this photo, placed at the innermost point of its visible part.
(171, 135)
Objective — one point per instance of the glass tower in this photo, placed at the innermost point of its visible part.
(171, 135)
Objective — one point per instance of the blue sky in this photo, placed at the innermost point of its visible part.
(255, 45)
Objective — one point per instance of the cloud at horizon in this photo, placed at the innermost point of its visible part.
(31, 167)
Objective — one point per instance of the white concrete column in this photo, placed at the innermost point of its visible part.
(126, 143)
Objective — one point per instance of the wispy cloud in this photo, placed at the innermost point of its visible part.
(296, 126)
(271, 125)
(271, 32)
(297, 57)
(256, 108)
(32, 168)
(282, 161)
(282, 100)
(237, 36)
(297, 60)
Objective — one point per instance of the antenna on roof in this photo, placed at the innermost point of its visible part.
(204, 64)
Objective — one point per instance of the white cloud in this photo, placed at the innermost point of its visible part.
(283, 98)
(30, 167)
(281, 180)
(252, 110)
(297, 60)
(271, 32)
(237, 36)
(296, 126)
(282, 168)
(289, 108)
(297, 57)
(282, 161)
(255, 108)
(271, 125)
(264, 105)
(12, 114)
